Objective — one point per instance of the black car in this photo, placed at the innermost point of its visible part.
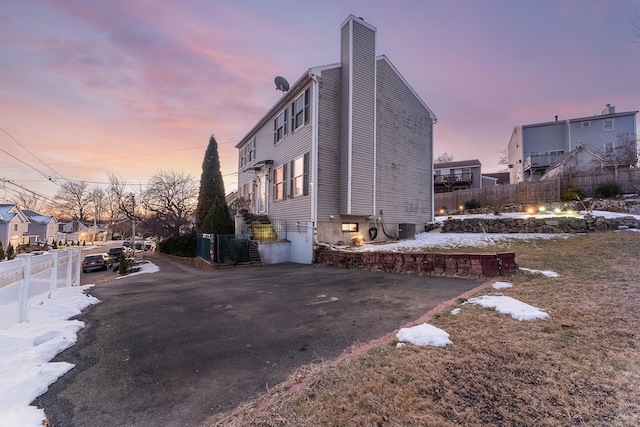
(115, 253)
(96, 262)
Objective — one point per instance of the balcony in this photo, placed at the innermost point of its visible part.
(453, 179)
(541, 161)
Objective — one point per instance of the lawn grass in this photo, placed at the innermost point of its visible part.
(579, 367)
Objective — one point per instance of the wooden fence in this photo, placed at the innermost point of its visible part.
(537, 191)
(508, 194)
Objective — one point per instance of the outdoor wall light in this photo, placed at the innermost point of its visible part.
(461, 207)
(542, 208)
(531, 210)
(331, 217)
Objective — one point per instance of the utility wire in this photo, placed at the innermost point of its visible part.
(36, 157)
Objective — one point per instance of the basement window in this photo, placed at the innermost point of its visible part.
(350, 226)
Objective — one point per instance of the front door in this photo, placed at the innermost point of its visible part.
(262, 193)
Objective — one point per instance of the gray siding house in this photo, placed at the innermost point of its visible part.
(460, 175)
(534, 148)
(346, 151)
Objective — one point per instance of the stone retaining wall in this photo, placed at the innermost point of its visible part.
(427, 263)
(550, 225)
(192, 262)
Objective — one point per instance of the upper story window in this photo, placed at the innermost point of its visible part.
(15, 227)
(248, 153)
(280, 126)
(607, 125)
(586, 124)
(300, 110)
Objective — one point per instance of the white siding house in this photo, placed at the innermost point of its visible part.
(14, 226)
(347, 151)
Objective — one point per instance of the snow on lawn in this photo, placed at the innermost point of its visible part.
(507, 305)
(547, 273)
(426, 334)
(26, 350)
(145, 267)
(454, 240)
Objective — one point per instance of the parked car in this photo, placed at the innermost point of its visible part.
(96, 262)
(115, 253)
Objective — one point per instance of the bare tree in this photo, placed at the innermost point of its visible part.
(170, 199)
(122, 201)
(74, 198)
(623, 153)
(504, 159)
(29, 201)
(444, 158)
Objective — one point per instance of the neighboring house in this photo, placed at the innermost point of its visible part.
(74, 231)
(499, 178)
(453, 176)
(580, 160)
(347, 150)
(14, 226)
(533, 148)
(42, 228)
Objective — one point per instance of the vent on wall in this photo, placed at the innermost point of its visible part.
(406, 231)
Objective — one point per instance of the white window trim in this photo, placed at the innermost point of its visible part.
(604, 125)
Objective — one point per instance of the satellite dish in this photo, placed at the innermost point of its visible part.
(282, 84)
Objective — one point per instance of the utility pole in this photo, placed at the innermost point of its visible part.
(133, 223)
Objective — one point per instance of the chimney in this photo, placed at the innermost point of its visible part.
(611, 109)
(556, 118)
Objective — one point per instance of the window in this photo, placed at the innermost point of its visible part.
(607, 125)
(280, 126)
(349, 226)
(15, 227)
(279, 183)
(586, 124)
(248, 153)
(300, 110)
(298, 173)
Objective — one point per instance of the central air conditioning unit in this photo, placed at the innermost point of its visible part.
(406, 231)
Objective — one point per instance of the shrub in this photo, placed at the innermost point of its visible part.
(608, 189)
(571, 193)
(472, 204)
(122, 266)
(11, 253)
(2, 255)
(184, 246)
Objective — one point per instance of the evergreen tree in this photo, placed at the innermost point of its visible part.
(11, 253)
(2, 255)
(218, 220)
(212, 195)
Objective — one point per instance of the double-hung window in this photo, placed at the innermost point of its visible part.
(280, 126)
(298, 176)
(300, 110)
(248, 153)
(279, 183)
(607, 125)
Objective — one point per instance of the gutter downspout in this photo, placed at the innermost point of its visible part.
(314, 162)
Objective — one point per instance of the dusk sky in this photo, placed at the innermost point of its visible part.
(132, 87)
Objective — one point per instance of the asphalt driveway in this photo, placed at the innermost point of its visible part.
(174, 347)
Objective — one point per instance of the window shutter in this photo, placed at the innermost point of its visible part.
(294, 125)
(286, 114)
(273, 184)
(275, 130)
(284, 181)
(305, 175)
(306, 106)
(292, 184)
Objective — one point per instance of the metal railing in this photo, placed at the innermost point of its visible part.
(29, 279)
